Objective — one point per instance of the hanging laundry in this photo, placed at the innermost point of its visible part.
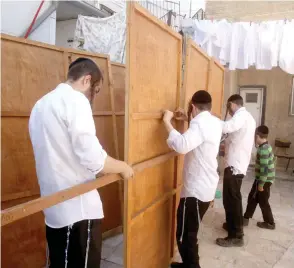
(205, 36)
(243, 44)
(266, 34)
(239, 54)
(286, 58)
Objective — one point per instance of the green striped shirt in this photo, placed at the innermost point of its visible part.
(265, 166)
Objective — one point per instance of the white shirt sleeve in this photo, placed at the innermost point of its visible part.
(82, 133)
(184, 143)
(234, 124)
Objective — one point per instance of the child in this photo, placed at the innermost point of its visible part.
(264, 177)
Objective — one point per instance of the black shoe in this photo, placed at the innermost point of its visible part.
(225, 226)
(177, 265)
(230, 242)
(266, 225)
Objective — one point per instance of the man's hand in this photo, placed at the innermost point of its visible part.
(180, 115)
(128, 172)
(260, 188)
(168, 116)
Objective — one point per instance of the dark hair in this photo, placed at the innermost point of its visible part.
(237, 99)
(262, 132)
(83, 66)
(202, 100)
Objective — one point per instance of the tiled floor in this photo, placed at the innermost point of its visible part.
(262, 249)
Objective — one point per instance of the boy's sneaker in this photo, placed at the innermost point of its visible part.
(230, 242)
(245, 223)
(266, 225)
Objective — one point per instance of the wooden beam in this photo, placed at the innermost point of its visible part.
(23, 210)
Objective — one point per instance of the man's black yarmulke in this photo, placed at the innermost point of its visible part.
(201, 97)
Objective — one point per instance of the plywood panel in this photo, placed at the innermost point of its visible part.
(102, 100)
(30, 72)
(119, 84)
(23, 242)
(203, 73)
(196, 71)
(120, 123)
(151, 237)
(148, 139)
(104, 130)
(110, 197)
(216, 88)
(17, 160)
(151, 184)
(153, 85)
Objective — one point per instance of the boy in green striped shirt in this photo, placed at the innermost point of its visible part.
(264, 177)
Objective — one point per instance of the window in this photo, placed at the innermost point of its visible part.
(251, 97)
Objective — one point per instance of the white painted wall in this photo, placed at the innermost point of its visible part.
(16, 17)
(46, 32)
(65, 30)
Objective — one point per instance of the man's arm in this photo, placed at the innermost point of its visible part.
(234, 124)
(86, 145)
(182, 143)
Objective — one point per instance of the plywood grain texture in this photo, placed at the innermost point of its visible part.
(203, 73)
(153, 82)
(216, 87)
(32, 70)
(151, 236)
(23, 242)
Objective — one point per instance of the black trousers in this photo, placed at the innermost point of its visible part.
(57, 242)
(262, 198)
(187, 229)
(232, 200)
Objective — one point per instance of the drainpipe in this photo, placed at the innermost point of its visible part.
(41, 19)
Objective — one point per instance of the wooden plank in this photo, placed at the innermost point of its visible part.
(29, 42)
(196, 71)
(216, 88)
(152, 48)
(18, 212)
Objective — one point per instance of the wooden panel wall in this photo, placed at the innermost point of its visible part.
(119, 83)
(153, 84)
(203, 73)
(30, 71)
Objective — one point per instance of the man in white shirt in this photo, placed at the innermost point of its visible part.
(67, 153)
(200, 144)
(241, 128)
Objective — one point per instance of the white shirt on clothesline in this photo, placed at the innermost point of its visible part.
(67, 153)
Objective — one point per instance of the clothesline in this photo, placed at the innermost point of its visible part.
(243, 44)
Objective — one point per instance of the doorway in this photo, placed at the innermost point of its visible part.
(254, 100)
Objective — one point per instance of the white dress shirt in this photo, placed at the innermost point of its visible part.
(241, 129)
(201, 144)
(67, 152)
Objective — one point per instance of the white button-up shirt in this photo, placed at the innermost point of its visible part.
(200, 144)
(67, 152)
(241, 129)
